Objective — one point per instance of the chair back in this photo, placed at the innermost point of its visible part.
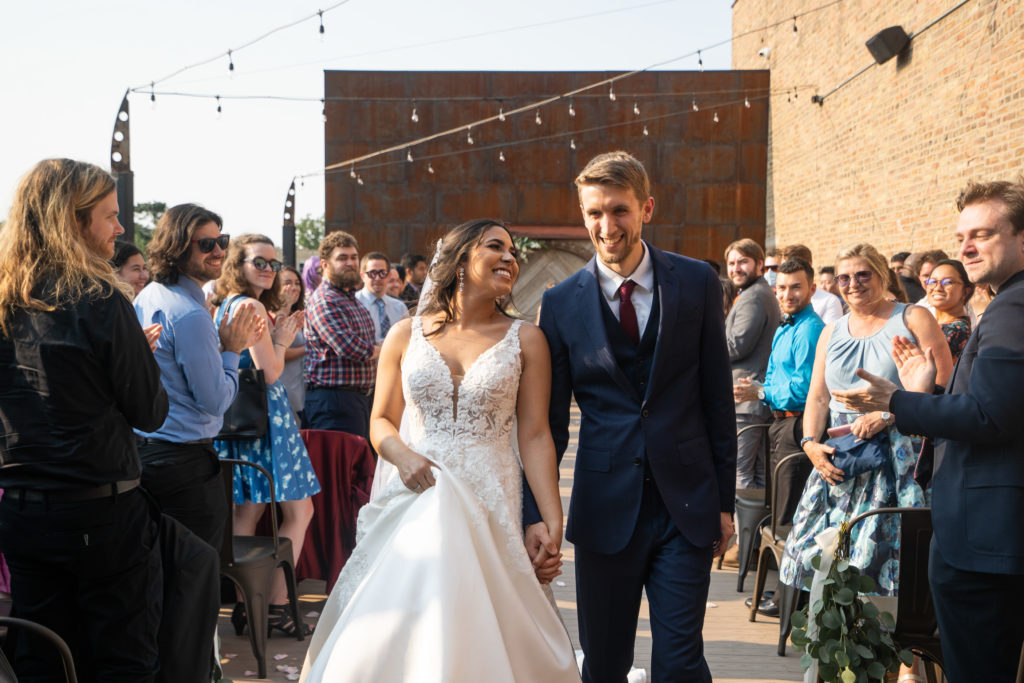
(7, 673)
(227, 547)
(784, 466)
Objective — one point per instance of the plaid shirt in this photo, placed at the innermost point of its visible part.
(339, 340)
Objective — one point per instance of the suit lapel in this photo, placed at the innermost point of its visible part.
(589, 306)
(667, 283)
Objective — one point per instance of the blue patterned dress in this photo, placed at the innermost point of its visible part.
(281, 450)
(874, 546)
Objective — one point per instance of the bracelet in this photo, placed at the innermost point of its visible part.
(283, 346)
(806, 440)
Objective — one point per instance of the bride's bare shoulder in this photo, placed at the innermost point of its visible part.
(531, 339)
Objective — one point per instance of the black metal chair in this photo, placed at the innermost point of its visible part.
(751, 509)
(773, 542)
(7, 674)
(916, 625)
(251, 562)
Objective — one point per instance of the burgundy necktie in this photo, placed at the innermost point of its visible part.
(627, 314)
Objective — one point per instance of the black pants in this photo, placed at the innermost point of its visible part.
(185, 481)
(91, 572)
(784, 435)
(339, 410)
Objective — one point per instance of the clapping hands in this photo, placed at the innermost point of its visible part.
(287, 327)
(917, 372)
(245, 328)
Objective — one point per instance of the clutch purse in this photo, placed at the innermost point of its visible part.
(856, 456)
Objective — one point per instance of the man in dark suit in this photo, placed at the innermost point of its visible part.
(977, 553)
(638, 337)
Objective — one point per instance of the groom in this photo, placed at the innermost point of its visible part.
(637, 336)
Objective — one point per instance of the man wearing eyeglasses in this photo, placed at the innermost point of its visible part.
(385, 310)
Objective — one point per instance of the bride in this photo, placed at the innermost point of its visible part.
(440, 587)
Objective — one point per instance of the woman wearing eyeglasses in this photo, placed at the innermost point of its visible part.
(948, 290)
(861, 339)
(250, 274)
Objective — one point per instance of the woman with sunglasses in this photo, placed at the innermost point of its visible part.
(948, 290)
(861, 339)
(250, 274)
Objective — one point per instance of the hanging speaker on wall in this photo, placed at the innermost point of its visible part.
(887, 43)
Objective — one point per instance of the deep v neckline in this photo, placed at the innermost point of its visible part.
(465, 373)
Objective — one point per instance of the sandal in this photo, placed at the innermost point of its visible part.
(279, 617)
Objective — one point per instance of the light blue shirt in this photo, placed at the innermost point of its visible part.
(788, 378)
(395, 309)
(201, 381)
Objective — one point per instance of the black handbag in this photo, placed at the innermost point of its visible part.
(246, 417)
(856, 456)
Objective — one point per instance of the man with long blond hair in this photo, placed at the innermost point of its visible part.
(76, 374)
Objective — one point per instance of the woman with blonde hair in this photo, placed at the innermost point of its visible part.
(250, 275)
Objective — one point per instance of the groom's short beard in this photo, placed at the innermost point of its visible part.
(346, 279)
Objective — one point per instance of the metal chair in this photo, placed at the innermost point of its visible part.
(916, 625)
(773, 542)
(251, 561)
(7, 674)
(751, 509)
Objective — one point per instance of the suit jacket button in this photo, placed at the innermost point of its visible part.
(645, 413)
(636, 461)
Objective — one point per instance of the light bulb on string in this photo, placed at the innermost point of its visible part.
(352, 173)
(700, 61)
(320, 13)
(430, 168)
(359, 180)
(501, 156)
(572, 110)
(572, 143)
(746, 102)
(152, 95)
(323, 109)
(408, 155)
(231, 63)
(611, 93)
(694, 106)
(218, 106)
(537, 119)
(469, 136)
(302, 182)
(636, 109)
(501, 114)
(715, 117)
(415, 117)
(794, 23)
(646, 132)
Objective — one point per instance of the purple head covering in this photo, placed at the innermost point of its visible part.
(310, 277)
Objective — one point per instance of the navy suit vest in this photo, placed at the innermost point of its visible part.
(634, 360)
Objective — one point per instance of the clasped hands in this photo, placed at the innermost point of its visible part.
(916, 369)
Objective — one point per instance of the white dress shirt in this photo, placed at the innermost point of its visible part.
(643, 294)
(395, 308)
(827, 305)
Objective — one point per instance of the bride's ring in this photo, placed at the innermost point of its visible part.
(418, 487)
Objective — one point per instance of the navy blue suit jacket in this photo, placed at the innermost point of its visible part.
(978, 485)
(684, 425)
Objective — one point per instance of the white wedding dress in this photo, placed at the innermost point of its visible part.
(439, 587)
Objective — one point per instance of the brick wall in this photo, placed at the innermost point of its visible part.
(884, 157)
(708, 178)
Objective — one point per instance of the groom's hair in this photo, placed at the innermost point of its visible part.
(618, 169)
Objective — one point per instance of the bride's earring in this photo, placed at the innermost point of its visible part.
(462, 278)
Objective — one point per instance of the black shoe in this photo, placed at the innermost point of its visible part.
(767, 595)
(280, 618)
(238, 618)
(766, 608)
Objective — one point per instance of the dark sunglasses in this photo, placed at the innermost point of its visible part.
(772, 268)
(206, 244)
(377, 274)
(945, 282)
(260, 263)
(861, 276)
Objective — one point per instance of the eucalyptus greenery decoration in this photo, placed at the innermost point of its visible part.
(853, 639)
(526, 245)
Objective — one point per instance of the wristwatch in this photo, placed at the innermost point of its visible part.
(804, 441)
(760, 394)
(887, 417)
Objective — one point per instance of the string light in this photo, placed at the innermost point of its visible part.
(218, 106)
(469, 136)
(646, 132)
(501, 156)
(746, 102)
(537, 119)
(352, 173)
(323, 110)
(700, 61)
(501, 114)
(359, 180)
(408, 155)
(152, 96)
(572, 143)
(794, 23)
(636, 109)
(430, 168)
(320, 13)
(415, 117)
(694, 106)
(611, 93)
(572, 110)
(231, 62)
(715, 117)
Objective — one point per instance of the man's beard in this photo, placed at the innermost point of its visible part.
(750, 279)
(346, 279)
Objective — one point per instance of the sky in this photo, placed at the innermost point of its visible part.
(66, 64)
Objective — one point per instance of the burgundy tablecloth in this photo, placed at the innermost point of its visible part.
(344, 465)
